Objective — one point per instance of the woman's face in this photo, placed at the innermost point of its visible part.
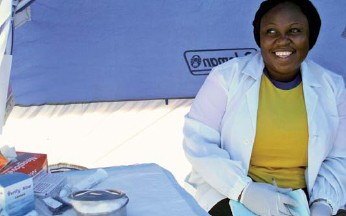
(284, 38)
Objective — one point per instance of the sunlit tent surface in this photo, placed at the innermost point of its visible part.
(105, 50)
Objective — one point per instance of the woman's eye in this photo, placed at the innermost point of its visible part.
(271, 31)
(295, 30)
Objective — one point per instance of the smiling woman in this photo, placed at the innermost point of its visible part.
(272, 116)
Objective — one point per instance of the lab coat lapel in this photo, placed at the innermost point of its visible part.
(252, 97)
(252, 76)
(254, 70)
(310, 85)
(311, 100)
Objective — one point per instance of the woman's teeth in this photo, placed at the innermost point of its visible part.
(283, 54)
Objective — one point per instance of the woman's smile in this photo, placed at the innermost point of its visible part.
(283, 54)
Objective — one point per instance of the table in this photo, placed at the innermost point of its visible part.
(152, 190)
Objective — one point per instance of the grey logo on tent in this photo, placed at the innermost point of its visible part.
(200, 62)
(344, 33)
(195, 61)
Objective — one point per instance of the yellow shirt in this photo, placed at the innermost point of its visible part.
(280, 149)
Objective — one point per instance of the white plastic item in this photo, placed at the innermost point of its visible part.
(86, 183)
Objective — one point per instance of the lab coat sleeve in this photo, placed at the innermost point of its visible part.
(331, 180)
(202, 142)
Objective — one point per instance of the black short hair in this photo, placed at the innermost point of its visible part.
(307, 8)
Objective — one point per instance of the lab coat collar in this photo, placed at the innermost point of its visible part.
(311, 82)
(255, 66)
(310, 77)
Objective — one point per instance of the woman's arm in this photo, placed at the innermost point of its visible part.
(202, 143)
(330, 184)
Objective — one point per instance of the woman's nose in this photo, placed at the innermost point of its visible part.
(283, 40)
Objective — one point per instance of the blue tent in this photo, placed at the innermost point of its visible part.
(85, 51)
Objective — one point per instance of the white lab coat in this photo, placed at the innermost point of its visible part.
(220, 128)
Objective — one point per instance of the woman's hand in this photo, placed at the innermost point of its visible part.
(320, 209)
(266, 200)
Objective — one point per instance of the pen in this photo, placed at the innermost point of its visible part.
(274, 184)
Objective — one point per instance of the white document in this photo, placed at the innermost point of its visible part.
(239, 209)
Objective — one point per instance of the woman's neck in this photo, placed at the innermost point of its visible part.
(284, 85)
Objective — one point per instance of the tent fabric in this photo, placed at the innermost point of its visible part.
(22, 4)
(79, 51)
(103, 134)
(82, 51)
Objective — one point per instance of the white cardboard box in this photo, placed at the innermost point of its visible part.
(16, 194)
